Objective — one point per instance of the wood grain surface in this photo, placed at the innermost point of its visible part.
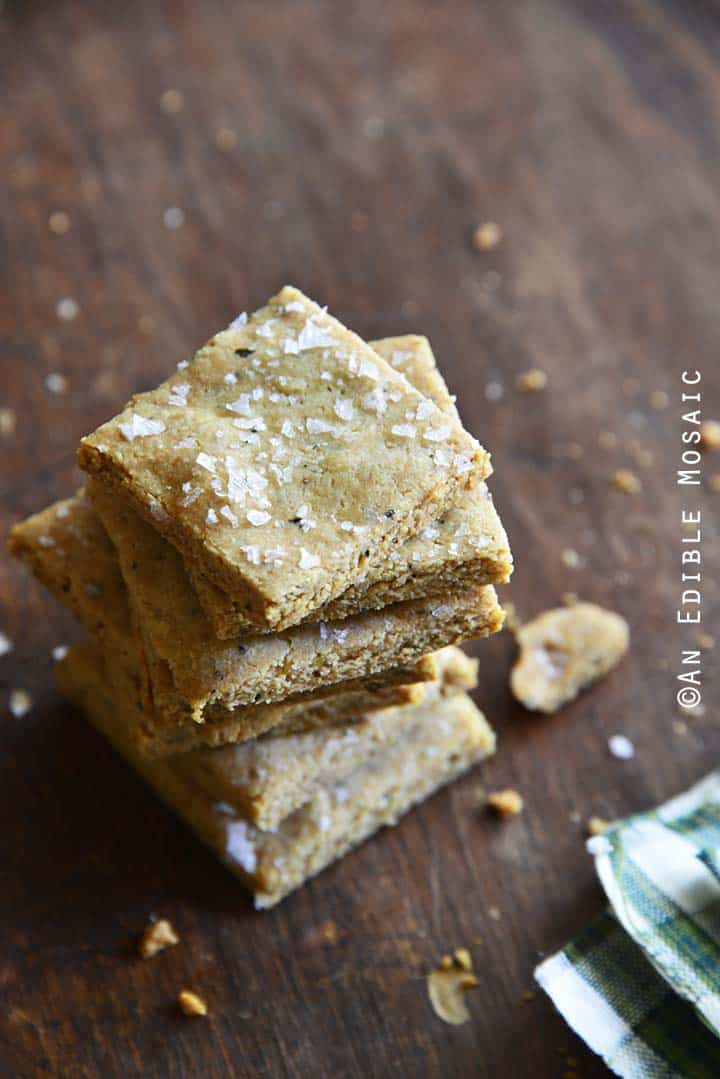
(351, 150)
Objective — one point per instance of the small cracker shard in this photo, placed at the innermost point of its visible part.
(191, 1004)
(487, 236)
(448, 985)
(564, 650)
(710, 435)
(626, 481)
(597, 826)
(506, 803)
(157, 937)
(531, 381)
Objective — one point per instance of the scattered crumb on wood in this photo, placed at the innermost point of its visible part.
(705, 641)
(191, 1004)
(448, 984)
(487, 236)
(597, 826)
(59, 222)
(506, 803)
(157, 937)
(659, 400)
(531, 381)
(714, 482)
(172, 101)
(8, 422)
(626, 481)
(463, 958)
(710, 435)
(564, 650)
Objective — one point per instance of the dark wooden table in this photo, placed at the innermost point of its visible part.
(351, 150)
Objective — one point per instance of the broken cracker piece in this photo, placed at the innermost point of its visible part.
(191, 1004)
(448, 984)
(507, 803)
(563, 651)
(157, 937)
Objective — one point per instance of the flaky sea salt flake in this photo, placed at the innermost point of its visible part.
(140, 427)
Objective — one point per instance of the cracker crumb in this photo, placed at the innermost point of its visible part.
(59, 222)
(191, 1004)
(494, 390)
(564, 650)
(680, 726)
(626, 481)
(20, 703)
(8, 422)
(710, 435)
(531, 381)
(463, 958)
(705, 641)
(714, 482)
(67, 309)
(59, 652)
(448, 984)
(6, 645)
(55, 382)
(157, 937)
(569, 598)
(172, 101)
(506, 803)
(487, 236)
(494, 913)
(597, 826)
(226, 138)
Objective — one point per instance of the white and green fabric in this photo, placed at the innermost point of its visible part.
(641, 985)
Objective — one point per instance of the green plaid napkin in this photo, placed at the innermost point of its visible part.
(641, 985)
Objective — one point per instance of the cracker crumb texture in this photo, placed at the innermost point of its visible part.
(487, 236)
(563, 651)
(448, 985)
(506, 803)
(532, 381)
(626, 481)
(157, 937)
(191, 1004)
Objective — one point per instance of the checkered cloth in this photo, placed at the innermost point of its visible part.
(641, 985)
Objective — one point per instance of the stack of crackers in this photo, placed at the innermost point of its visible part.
(275, 554)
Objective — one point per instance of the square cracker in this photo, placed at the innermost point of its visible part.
(263, 668)
(447, 738)
(69, 551)
(285, 456)
(466, 545)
